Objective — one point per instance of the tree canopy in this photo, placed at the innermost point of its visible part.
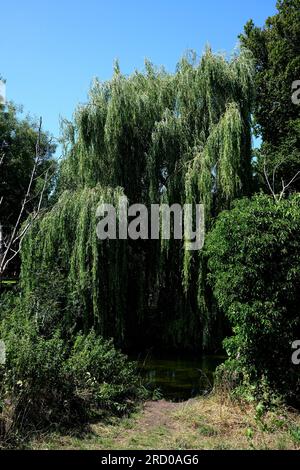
(255, 275)
(182, 137)
(22, 175)
(276, 51)
(18, 139)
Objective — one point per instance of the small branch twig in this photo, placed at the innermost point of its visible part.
(278, 197)
(286, 186)
(14, 244)
(1, 162)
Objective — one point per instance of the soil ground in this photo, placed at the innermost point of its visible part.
(201, 423)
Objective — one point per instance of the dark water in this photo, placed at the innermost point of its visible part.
(179, 378)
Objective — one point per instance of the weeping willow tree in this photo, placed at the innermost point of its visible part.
(65, 240)
(153, 136)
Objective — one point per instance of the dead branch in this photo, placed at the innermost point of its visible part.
(285, 186)
(1, 162)
(14, 244)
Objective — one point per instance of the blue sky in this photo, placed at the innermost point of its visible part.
(50, 50)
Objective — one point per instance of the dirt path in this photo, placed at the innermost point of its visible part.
(203, 423)
(153, 426)
(159, 413)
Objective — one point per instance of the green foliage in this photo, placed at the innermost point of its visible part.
(104, 372)
(48, 380)
(90, 272)
(256, 280)
(17, 145)
(46, 302)
(295, 433)
(276, 52)
(176, 138)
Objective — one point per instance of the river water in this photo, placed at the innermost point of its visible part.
(179, 378)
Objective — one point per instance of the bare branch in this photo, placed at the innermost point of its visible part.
(14, 244)
(268, 181)
(1, 162)
(285, 187)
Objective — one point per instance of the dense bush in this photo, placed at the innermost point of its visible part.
(254, 262)
(50, 381)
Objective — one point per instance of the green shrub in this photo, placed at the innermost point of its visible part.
(104, 373)
(50, 381)
(254, 266)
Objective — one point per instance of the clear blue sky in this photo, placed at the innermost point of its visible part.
(50, 50)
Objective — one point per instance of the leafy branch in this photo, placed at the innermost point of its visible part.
(11, 247)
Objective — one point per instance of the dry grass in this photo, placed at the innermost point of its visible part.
(202, 423)
(230, 425)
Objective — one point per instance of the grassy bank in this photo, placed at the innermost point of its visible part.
(201, 423)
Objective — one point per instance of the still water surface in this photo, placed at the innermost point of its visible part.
(180, 378)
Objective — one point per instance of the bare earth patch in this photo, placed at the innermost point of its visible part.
(201, 423)
(158, 413)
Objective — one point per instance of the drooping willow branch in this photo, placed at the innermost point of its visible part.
(160, 137)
